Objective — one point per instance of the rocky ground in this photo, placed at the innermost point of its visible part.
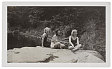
(47, 55)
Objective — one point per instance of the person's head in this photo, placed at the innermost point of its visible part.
(74, 33)
(58, 33)
(47, 30)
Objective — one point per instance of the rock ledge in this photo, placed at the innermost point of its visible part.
(47, 55)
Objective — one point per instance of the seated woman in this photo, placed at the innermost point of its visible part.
(74, 41)
(45, 42)
(56, 42)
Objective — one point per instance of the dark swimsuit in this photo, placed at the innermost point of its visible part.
(74, 41)
(45, 42)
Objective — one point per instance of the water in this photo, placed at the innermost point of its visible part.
(19, 40)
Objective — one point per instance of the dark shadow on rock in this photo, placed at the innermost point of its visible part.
(49, 59)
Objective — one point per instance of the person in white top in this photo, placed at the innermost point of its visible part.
(74, 41)
(56, 41)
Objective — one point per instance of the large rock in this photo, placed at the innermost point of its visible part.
(47, 55)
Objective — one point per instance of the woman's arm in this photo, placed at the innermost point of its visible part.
(42, 42)
(70, 41)
(77, 41)
(43, 36)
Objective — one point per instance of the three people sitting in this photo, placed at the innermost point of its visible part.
(56, 41)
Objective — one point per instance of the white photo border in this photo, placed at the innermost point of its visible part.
(4, 34)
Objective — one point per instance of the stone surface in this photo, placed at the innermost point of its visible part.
(47, 55)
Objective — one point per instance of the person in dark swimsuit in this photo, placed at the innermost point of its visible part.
(74, 41)
(45, 42)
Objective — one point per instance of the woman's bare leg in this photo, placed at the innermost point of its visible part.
(62, 46)
(70, 47)
(76, 47)
(57, 45)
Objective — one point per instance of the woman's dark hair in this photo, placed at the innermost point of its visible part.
(56, 32)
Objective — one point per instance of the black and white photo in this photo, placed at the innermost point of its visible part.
(56, 34)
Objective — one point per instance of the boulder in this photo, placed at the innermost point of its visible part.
(48, 55)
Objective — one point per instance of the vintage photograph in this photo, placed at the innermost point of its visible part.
(56, 34)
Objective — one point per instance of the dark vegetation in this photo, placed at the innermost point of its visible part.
(26, 24)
